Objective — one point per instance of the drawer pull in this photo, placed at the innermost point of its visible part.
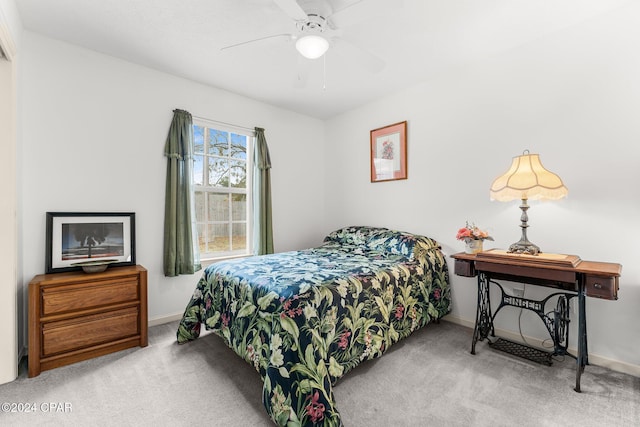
(597, 285)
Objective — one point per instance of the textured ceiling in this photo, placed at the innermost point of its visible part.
(415, 39)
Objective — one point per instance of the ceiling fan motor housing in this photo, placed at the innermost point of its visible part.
(314, 24)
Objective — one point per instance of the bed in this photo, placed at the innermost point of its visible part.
(305, 318)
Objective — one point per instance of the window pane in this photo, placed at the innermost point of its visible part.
(238, 146)
(202, 234)
(218, 238)
(198, 139)
(218, 207)
(218, 172)
(238, 173)
(198, 170)
(239, 236)
(218, 143)
(199, 205)
(238, 207)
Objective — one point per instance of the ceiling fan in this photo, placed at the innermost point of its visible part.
(318, 28)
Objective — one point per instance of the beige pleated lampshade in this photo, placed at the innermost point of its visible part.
(527, 179)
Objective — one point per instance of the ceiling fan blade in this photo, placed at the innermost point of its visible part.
(363, 10)
(289, 36)
(292, 8)
(363, 57)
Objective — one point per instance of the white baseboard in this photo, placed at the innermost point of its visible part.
(165, 319)
(594, 359)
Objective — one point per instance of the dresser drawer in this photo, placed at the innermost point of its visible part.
(82, 296)
(601, 287)
(81, 332)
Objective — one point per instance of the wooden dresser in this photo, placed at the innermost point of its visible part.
(76, 316)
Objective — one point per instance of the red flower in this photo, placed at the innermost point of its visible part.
(225, 319)
(399, 311)
(344, 340)
(472, 232)
(315, 410)
(463, 233)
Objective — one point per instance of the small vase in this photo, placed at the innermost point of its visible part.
(473, 246)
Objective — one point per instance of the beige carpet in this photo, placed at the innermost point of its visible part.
(430, 379)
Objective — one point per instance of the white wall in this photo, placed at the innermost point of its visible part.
(572, 97)
(8, 241)
(94, 129)
(9, 44)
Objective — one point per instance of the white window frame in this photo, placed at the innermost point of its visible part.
(248, 190)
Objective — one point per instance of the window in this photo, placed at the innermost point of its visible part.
(222, 186)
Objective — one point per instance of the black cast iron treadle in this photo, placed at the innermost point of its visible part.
(522, 351)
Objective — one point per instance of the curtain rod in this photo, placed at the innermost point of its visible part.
(224, 123)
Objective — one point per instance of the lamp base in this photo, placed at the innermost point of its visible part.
(524, 247)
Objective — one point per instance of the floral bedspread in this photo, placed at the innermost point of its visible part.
(303, 319)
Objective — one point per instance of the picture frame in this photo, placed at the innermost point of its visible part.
(89, 238)
(389, 152)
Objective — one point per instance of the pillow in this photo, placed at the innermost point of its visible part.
(383, 240)
(401, 243)
(354, 235)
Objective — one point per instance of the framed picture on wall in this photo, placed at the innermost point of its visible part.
(389, 152)
(74, 239)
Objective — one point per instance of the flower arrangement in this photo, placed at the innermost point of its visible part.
(472, 232)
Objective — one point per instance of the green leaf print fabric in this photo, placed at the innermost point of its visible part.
(305, 318)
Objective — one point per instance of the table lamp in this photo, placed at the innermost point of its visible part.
(525, 180)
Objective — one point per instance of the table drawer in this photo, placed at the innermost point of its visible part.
(82, 296)
(601, 287)
(464, 268)
(521, 272)
(81, 332)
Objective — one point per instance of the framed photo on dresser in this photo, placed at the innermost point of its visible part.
(74, 239)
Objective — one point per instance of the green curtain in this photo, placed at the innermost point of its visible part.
(181, 254)
(263, 231)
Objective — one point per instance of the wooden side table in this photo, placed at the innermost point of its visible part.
(568, 274)
(76, 316)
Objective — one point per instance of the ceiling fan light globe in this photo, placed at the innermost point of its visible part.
(312, 46)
